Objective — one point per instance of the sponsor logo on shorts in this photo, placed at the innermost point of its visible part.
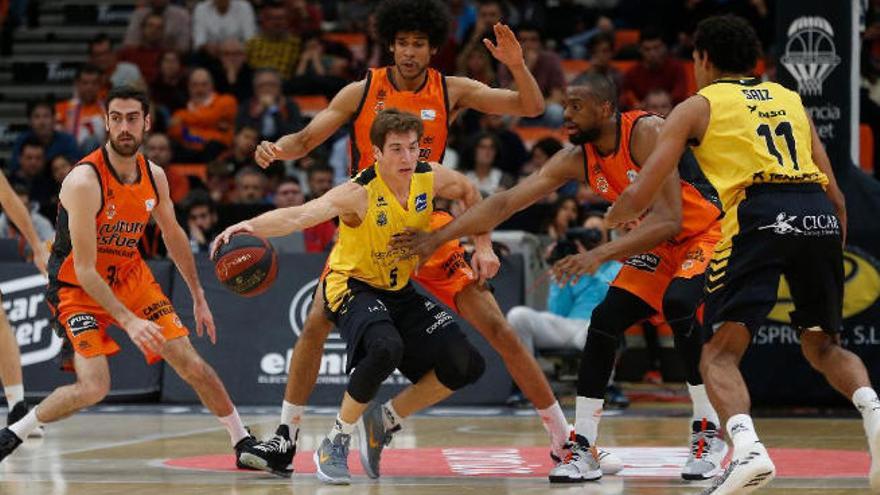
(422, 202)
(379, 306)
(692, 257)
(429, 305)
(442, 319)
(646, 262)
(81, 323)
(158, 309)
(807, 225)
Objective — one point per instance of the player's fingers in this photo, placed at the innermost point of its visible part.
(212, 330)
(489, 46)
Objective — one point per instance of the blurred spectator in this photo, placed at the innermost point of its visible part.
(566, 19)
(32, 173)
(303, 16)
(41, 125)
(250, 186)
(464, 16)
(656, 70)
(220, 182)
(168, 90)
(657, 101)
(320, 180)
(177, 26)
(546, 67)
(512, 154)
(59, 167)
(157, 149)
(601, 53)
(114, 73)
(269, 111)
(564, 216)
(149, 50)
(475, 62)
(274, 47)
(288, 193)
(481, 167)
(231, 72)
(241, 155)
(541, 152)
(323, 68)
(83, 115)
(44, 227)
(217, 20)
(206, 124)
(201, 221)
(353, 14)
(489, 13)
(320, 237)
(574, 45)
(377, 54)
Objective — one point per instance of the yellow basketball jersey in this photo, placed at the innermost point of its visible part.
(362, 252)
(758, 133)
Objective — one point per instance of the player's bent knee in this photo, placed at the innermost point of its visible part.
(462, 370)
(387, 353)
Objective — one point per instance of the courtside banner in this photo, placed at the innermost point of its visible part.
(256, 337)
(24, 300)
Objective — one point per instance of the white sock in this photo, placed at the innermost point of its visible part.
(291, 414)
(554, 422)
(588, 412)
(742, 431)
(866, 401)
(234, 426)
(390, 418)
(340, 427)
(702, 408)
(24, 426)
(14, 394)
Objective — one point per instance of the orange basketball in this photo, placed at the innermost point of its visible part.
(247, 264)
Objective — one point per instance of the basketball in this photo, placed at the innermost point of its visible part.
(246, 265)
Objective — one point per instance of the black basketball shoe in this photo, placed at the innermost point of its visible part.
(274, 455)
(8, 442)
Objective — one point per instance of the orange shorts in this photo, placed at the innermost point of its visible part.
(85, 321)
(647, 275)
(446, 273)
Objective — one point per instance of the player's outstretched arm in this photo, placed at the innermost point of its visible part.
(20, 216)
(81, 197)
(295, 146)
(820, 158)
(565, 165)
(525, 101)
(346, 201)
(181, 253)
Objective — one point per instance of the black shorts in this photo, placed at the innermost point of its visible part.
(784, 229)
(426, 327)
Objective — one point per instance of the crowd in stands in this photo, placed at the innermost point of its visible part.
(225, 74)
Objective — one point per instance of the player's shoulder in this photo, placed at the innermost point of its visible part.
(84, 174)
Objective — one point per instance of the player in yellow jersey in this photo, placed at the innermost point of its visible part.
(413, 31)
(366, 289)
(784, 215)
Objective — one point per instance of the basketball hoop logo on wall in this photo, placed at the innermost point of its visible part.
(810, 54)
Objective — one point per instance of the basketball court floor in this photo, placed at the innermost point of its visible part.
(134, 450)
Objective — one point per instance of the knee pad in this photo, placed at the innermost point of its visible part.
(382, 356)
(461, 366)
(385, 353)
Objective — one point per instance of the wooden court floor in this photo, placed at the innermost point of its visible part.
(106, 451)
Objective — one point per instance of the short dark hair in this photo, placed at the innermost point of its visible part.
(288, 179)
(548, 145)
(322, 168)
(651, 33)
(129, 93)
(32, 107)
(599, 39)
(152, 13)
(393, 120)
(88, 69)
(430, 17)
(529, 26)
(99, 39)
(600, 85)
(32, 142)
(198, 198)
(729, 41)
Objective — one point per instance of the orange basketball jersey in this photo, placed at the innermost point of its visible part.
(119, 224)
(430, 103)
(609, 175)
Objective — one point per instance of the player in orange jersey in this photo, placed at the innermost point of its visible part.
(98, 278)
(413, 30)
(665, 257)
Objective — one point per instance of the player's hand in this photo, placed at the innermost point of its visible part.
(414, 242)
(146, 335)
(267, 152)
(224, 236)
(204, 318)
(571, 268)
(615, 218)
(507, 50)
(485, 264)
(41, 258)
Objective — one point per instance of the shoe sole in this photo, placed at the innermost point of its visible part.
(756, 481)
(327, 479)
(250, 461)
(364, 449)
(570, 480)
(709, 474)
